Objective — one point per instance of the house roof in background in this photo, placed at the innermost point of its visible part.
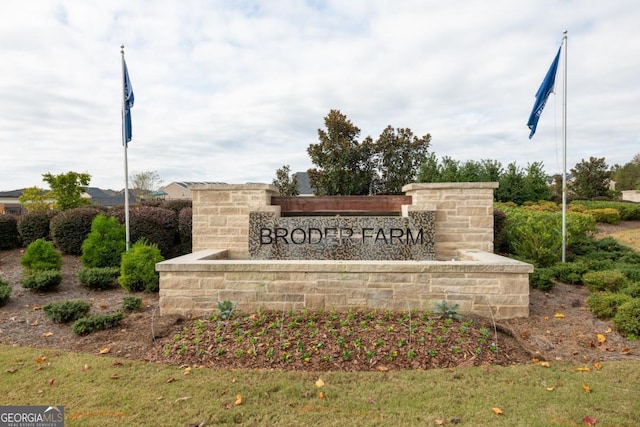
(304, 186)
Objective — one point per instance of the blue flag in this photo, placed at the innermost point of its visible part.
(543, 93)
(127, 94)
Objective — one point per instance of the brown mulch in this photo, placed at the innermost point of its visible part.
(560, 327)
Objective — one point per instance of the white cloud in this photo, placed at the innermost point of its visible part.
(230, 91)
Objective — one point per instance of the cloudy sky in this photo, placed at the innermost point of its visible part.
(229, 91)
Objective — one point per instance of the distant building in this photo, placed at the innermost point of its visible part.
(180, 190)
(10, 200)
(10, 204)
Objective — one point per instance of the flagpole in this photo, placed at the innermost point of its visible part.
(564, 151)
(126, 163)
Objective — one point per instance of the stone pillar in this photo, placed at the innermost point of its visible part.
(221, 215)
(464, 214)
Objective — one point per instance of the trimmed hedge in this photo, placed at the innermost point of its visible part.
(628, 211)
(627, 318)
(9, 236)
(35, 225)
(71, 227)
(185, 226)
(156, 225)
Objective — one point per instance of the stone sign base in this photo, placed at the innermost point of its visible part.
(481, 283)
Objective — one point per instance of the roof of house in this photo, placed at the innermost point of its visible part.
(186, 184)
(12, 193)
(304, 186)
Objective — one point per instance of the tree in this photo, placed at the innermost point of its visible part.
(591, 178)
(627, 177)
(144, 183)
(398, 155)
(35, 199)
(511, 188)
(286, 182)
(450, 170)
(344, 165)
(535, 183)
(67, 189)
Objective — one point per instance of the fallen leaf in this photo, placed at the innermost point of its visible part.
(371, 400)
(534, 360)
(441, 422)
(545, 364)
(546, 317)
(187, 370)
(583, 370)
(497, 411)
(170, 380)
(86, 367)
(319, 383)
(115, 376)
(625, 351)
(34, 323)
(117, 363)
(597, 365)
(104, 350)
(36, 308)
(321, 395)
(550, 388)
(51, 381)
(586, 388)
(182, 399)
(11, 370)
(601, 338)
(559, 316)
(104, 307)
(589, 421)
(41, 359)
(382, 368)
(238, 401)
(47, 334)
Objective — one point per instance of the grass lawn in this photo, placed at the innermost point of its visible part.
(103, 391)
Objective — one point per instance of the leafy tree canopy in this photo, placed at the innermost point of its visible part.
(286, 183)
(591, 179)
(36, 199)
(67, 189)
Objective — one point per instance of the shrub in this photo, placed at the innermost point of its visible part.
(605, 215)
(35, 225)
(156, 225)
(41, 255)
(44, 280)
(9, 236)
(176, 205)
(570, 272)
(104, 244)
(5, 292)
(605, 280)
(130, 303)
(185, 231)
(605, 304)
(138, 268)
(630, 270)
(499, 231)
(71, 227)
(628, 211)
(66, 311)
(98, 278)
(633, 290)
(98, 322)
(627, 318)
(542, 278)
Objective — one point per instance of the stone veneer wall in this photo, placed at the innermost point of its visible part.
(481, 283)
(464, 215)
(219, 269)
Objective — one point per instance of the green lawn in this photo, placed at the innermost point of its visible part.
(102, 391)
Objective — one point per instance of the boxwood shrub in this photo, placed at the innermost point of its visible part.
(605, 304)
(627, 318)
(605, 280)
(99, 278)
(44, 280)
(9, 236)
(66, 311)
(41, 255)
(104, 244)
(35, 225)
(98, 322)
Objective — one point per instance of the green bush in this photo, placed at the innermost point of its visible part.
(605, 304)
(537, 236)
(570, 272)
(138, 268)
(41, 255)
(66, 311)
(5, 292)
(44, 280)
(9, 236)
(542, 278)
(130, 303)
(628, 211)
(499, 231)
(105, 244)
(70, 228)
(156, 225)
(605, 215)
(99, 278)
(35, 225)
(185, 231)
(633, 290)
(98, 322)
(627, 318)
(605, 280)
(630, 270)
